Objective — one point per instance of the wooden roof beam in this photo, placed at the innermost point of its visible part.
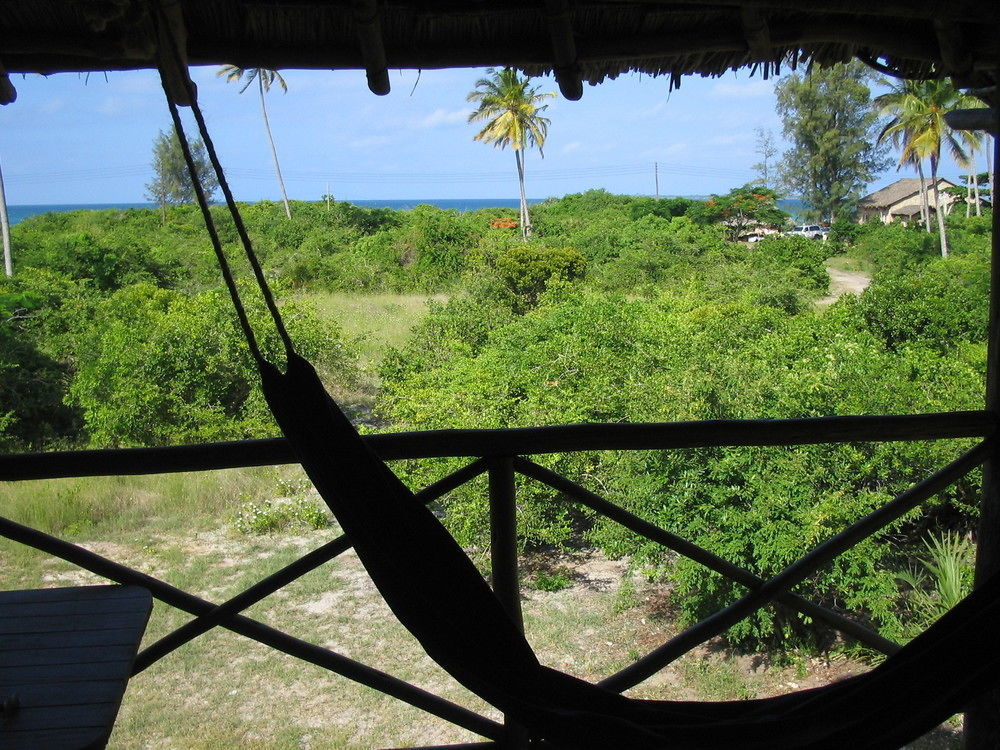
(369, 29)
(567, 67)
(7, 91)
(955, 51)
(970, 11)
(171, 51)
(27, 52)
(758, 35)
(984, 118)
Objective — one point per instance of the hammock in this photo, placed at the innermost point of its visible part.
(440, 597)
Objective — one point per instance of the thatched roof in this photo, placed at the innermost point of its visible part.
(900, 190)
(578, 40)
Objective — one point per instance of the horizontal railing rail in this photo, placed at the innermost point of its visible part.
(500, 455)
(520, 441)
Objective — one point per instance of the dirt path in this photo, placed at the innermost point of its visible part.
(843, 282)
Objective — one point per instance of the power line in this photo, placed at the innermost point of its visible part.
(399, 178)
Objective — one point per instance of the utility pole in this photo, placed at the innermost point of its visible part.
(8, 263)
(656, 178)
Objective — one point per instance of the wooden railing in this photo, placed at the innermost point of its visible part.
(502, 454)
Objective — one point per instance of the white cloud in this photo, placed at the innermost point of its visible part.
(570, 147)
(751, 89)
(442, 116)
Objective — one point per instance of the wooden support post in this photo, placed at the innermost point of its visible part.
(982, 719)
(171, 52)
(369, 32)
(503, 559)
(503, 537)
(567, 67)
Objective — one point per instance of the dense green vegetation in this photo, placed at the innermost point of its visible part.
(618, 309)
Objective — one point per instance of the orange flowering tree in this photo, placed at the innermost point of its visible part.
(746, 210)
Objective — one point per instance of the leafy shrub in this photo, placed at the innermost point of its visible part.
(579, 357)
(525, 270)
(936, 305)
(895, 247)
(39, 314)
(267, 516)
(807, 256)
(944, 578)
(552, 580)
(159, 367)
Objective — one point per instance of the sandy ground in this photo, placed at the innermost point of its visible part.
(843, 282)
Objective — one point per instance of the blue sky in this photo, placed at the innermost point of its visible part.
(87, 139)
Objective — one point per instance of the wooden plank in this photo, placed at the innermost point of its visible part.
(63, 693)
(74, 655)
(982, 717)
(76, 638)
(104, 593)
(47, 739)
(56, 624)
(69, 608)
(512, 442)
(29, 718)
(80, 672)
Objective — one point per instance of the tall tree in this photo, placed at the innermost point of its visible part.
(265, 78)
(917, 110)
(511, 111)
(765, 148)
(828, 119)
(171, 184)
(900, 106)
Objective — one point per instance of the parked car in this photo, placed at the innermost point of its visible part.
(812, 231)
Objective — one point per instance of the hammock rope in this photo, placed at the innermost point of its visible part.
(438, 595)
(176, 61)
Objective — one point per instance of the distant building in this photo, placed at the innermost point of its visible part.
(901, 201)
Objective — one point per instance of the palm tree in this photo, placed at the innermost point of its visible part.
(917, 110)
(265, 79)
(8, 264)
(899, 105)
(512, 113)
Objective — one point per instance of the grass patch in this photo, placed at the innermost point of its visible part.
(224, 691)
(373, 323)
(85, 506)
(717, 679)
(849, 264)
(379, 320)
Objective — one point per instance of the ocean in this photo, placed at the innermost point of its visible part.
(21, 212)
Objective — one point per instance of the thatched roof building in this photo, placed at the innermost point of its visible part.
(901, 200)
(578, 40)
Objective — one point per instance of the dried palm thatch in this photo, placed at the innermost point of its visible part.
(577, 40)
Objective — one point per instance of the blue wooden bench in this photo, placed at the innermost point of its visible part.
(65, 658)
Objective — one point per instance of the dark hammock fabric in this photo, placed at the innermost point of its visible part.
(437, 594)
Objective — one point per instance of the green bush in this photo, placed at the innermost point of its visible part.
(267, 516)
(938, 305)
(40, 314)
(579, 357)
(159, 367)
